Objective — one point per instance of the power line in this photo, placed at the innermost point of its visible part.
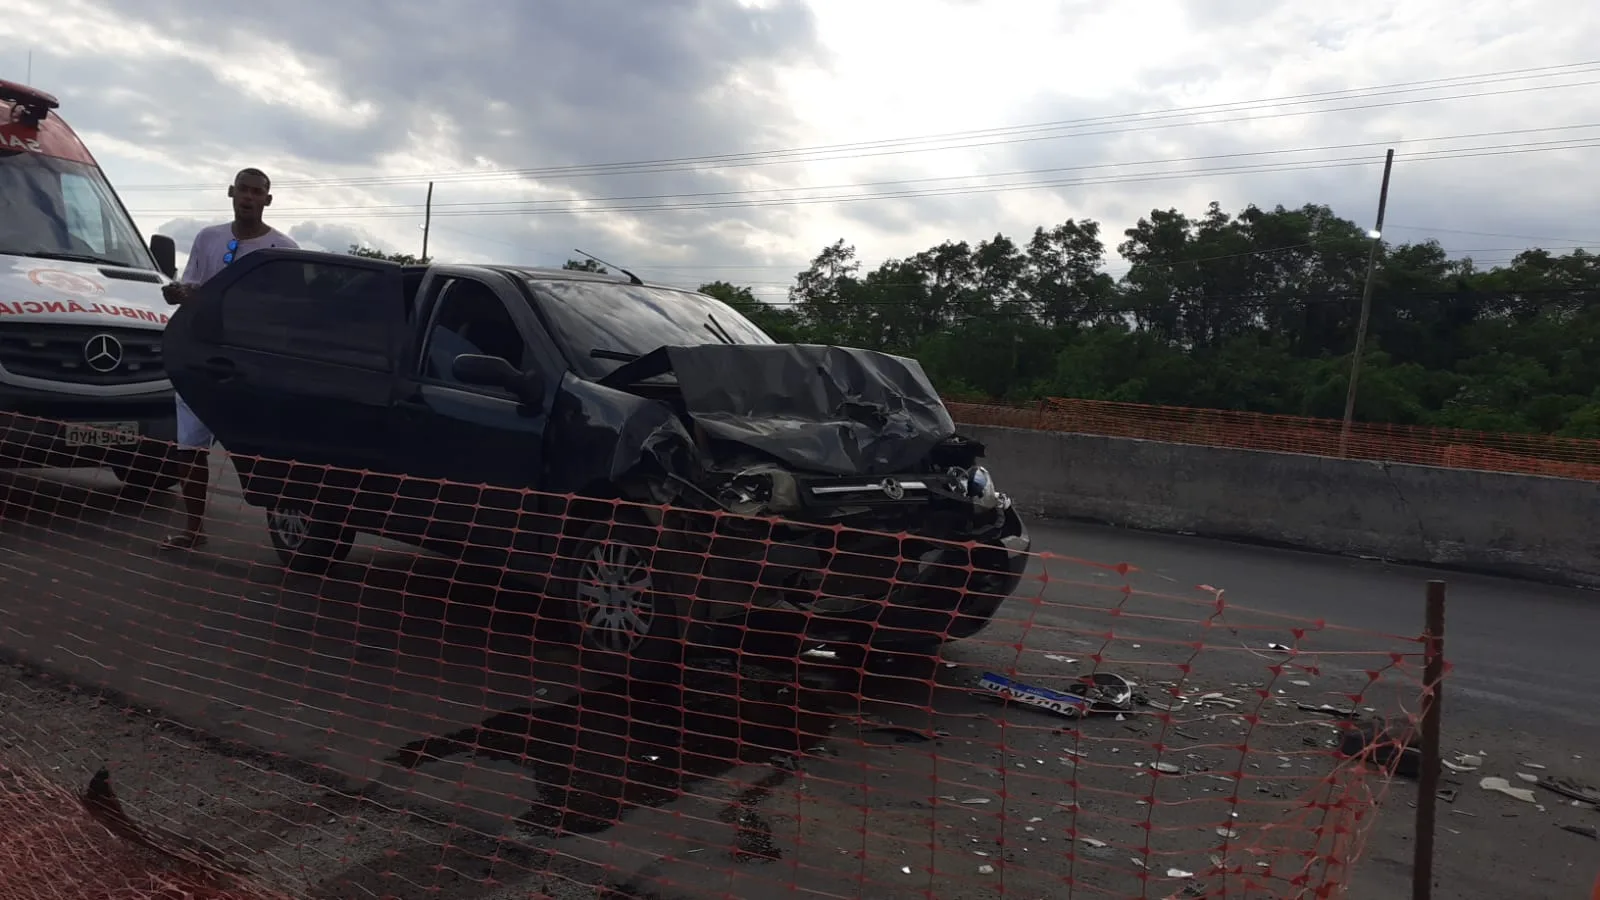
(413, 208)
(1141, 121)
(585, 206)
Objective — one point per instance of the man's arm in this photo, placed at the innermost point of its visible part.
(183, 288)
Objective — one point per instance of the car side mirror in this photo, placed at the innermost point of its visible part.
(494, 371)
(165, 250)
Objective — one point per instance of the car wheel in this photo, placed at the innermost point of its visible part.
(623, 608)
(306, 544)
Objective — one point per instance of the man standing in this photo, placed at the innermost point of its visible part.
(214, 248)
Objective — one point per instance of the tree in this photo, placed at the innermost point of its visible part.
(781, 324)
(584, 265)
(1255, 310)
(404, 259)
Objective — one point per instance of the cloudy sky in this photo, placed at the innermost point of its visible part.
(699, 139)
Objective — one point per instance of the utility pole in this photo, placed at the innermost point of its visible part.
(28, 79)
(1366, 306)
(427, 220)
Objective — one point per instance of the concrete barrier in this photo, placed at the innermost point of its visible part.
(1517, 525)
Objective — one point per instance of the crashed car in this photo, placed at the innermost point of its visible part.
(508, 412)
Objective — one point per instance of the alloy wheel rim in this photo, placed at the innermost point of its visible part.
(291, 526)
(614, 598)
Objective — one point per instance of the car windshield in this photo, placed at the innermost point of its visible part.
(59, 209)
(603, 324)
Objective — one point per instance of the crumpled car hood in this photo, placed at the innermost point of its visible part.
(823, 409)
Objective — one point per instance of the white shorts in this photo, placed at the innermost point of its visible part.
(192, 433)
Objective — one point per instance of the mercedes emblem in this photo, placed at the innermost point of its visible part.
(103, 353)
(892, 489)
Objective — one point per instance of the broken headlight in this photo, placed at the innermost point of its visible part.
(978, 485)
(979, 482)
(761, 489)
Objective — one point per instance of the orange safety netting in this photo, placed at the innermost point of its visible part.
(1523, 454)
(351, 717)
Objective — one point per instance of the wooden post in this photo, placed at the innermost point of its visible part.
(1432, 712)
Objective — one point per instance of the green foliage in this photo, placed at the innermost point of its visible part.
(584, 265)
(1256, 311)
(404, 259)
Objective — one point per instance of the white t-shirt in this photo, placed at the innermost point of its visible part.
(211, 245)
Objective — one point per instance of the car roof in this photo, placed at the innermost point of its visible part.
(540, 273)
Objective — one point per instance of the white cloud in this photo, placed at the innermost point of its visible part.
(322, 94)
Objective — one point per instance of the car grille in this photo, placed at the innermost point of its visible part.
(63, 353)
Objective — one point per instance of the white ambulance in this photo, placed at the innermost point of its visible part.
(81, 311)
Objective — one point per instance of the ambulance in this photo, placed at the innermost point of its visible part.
(81, 311)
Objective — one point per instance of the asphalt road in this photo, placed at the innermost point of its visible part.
(413, 680)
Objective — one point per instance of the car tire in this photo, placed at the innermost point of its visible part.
(306, 544)
(622, 609)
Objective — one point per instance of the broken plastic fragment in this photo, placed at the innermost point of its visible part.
(1093, 843)
(1504, 787)
(1168, 768)
(986, 869)
(1531, 779)
(1179, 873)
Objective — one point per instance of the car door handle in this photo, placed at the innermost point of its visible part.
(220, 368)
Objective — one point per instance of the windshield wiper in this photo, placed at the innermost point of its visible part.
(617, 355)
(78, 257)
(716, 329)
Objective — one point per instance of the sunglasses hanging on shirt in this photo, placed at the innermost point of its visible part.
(233, 245)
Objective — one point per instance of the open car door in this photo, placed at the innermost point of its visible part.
(290, 354)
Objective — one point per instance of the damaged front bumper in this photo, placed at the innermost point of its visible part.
(954, 594)
(920, 584)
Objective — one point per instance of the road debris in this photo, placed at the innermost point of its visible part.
(1503, 786)
(1570, 789)
(1098, 692)
(1376, 742)
(1327, 709)
(1179, 873)
(1588, 831)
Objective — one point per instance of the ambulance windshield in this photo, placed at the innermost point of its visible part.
(59, 209)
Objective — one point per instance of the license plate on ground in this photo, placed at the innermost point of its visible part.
(101, 434)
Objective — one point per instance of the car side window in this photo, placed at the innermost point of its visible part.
(469, 319)
(328, 312)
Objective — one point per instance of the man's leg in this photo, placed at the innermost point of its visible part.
(194, 442)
